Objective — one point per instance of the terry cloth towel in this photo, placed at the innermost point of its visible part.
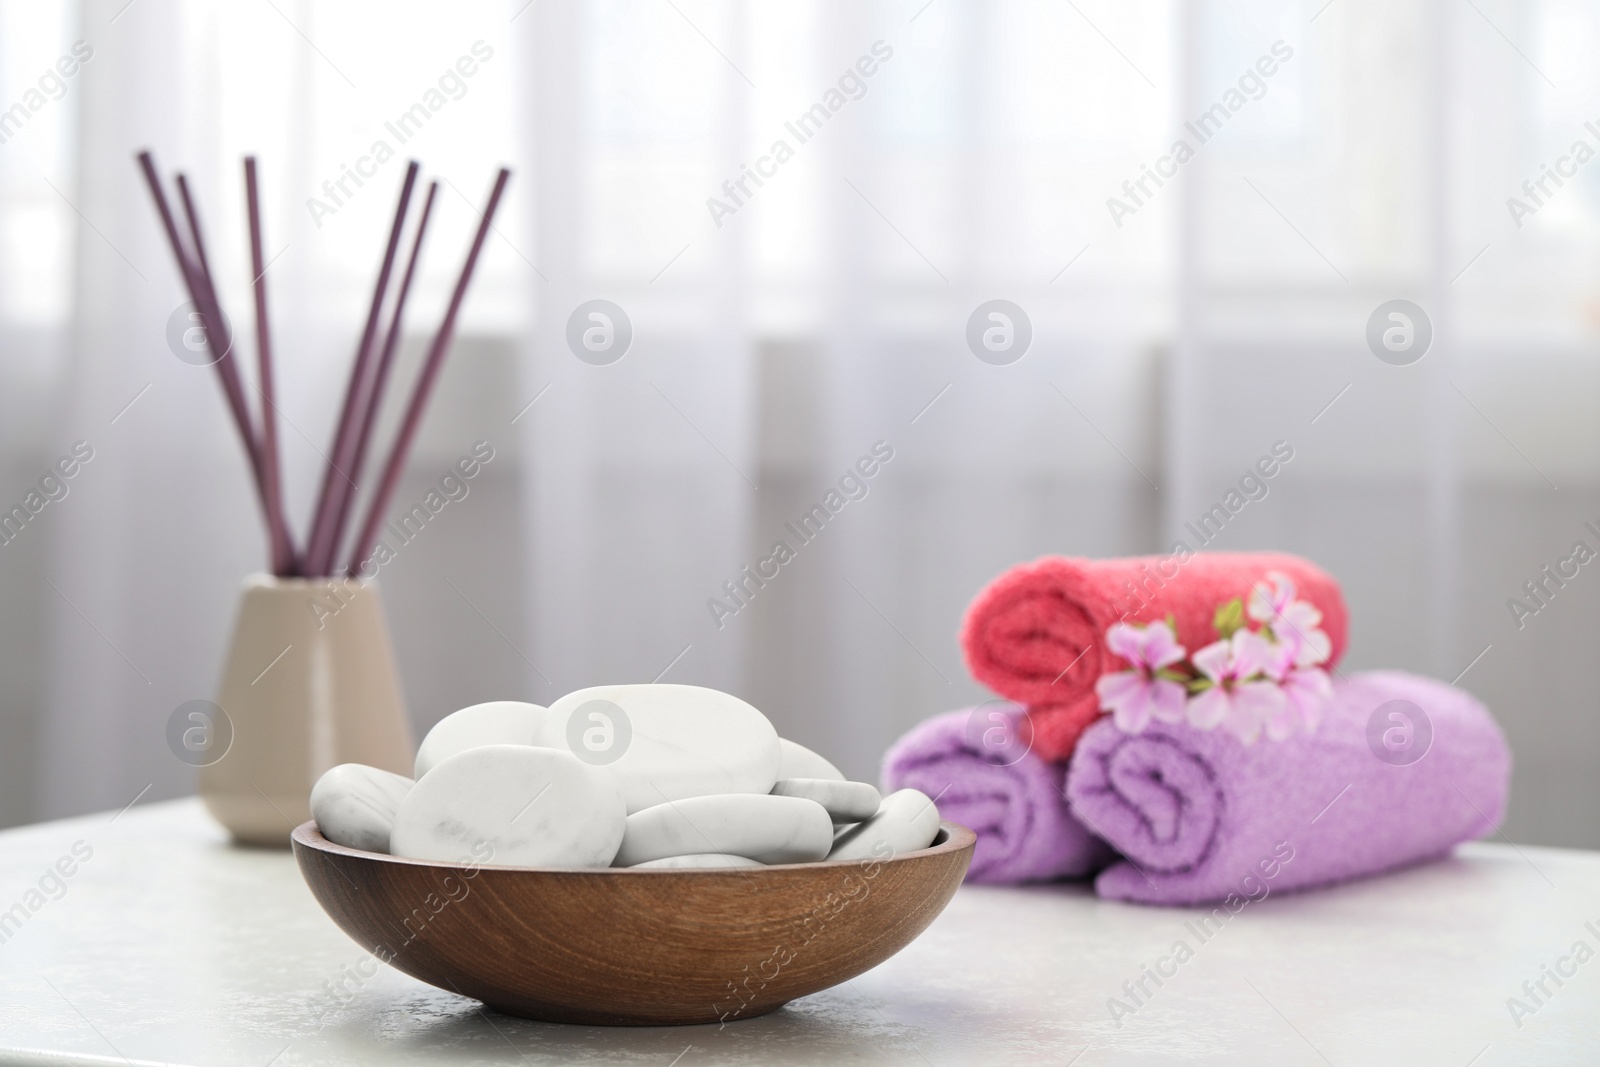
(977, 765)
(1036, 634)
(1401, 769)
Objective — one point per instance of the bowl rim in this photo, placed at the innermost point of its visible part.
(956, 838)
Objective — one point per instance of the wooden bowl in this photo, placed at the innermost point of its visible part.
(620, 947)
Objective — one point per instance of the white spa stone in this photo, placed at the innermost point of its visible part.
(844, 801)
(798, 761)
(698, 859)
(906, 821)
(354, 805)
(499, 722)
(670, 742)
(512, 805)
(765, 828)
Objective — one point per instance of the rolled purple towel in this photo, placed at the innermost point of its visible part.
(1401, 769)
(1011, 797)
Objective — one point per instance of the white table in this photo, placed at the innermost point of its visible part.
(168, 946)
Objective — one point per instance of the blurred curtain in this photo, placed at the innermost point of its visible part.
(640, 476)
(792, 311)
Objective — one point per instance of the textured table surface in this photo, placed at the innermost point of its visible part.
(168, 946)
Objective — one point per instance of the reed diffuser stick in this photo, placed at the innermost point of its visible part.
(391, 343)
(283, 561)
(192, 283)
(337, 481)
(211, 309)
(425, 380)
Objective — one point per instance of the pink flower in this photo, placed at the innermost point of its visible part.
(1294, 623)
(1238, 700)
(1135, 696)
(1307, 691)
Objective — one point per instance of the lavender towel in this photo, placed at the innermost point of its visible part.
(1201, 817)
(1011, 797)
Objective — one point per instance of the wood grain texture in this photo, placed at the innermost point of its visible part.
(619, 947)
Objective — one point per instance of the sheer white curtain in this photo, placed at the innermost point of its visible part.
(1187, 315)
(639, 476)
(36, 228)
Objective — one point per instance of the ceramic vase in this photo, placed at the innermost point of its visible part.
(309, 683)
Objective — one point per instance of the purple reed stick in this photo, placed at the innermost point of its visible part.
(336, 482)
(192, 283)
(283, 561)
(381, 375)
(211, 316)
(196, 293)
(430, 372)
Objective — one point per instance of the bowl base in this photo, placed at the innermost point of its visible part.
(552, 1013)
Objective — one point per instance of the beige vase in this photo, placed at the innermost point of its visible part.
(309, 683)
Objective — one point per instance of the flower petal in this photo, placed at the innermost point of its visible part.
(1313, 649)
(1255, 704)
(1261, 608)
(1126, 641)
(1167, 700)
(1252, 654)
(1303, 613)
(1161, 648)
(1260, 698)
(1280, 660)
(1208, 709)
(1213, 660)
(1312, 682)
(1309, 691)
(1113, 689)
(1132, 712)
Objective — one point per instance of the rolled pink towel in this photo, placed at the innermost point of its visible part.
(1201, 817)
(1011, 797)
(1038, 633)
